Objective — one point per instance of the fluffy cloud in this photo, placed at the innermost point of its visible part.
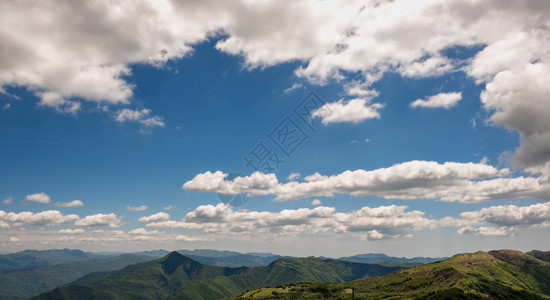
(504, 220)
(89, 54)
(73, 203)
(443, 100)
(293, 176)
(139, 116)
(7, 201)
(38, 198)
(316, 202)
(389, 221)
(352, 111)
(353, 42)
(450, 181)
(137, 208)
(44, 218)
(111, 220)
(520, 100)
(71, 231)
(160, 216)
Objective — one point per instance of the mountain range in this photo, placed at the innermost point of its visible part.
(212, 274)
(180, 277)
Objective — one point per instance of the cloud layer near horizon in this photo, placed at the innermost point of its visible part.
(450, 181)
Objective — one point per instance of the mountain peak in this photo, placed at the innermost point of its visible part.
(173, 260)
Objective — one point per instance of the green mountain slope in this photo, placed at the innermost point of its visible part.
(29, 258)
(185, 278)
(282, 271)
(542, 255)
(26, 282)
(156, 279)
(501, 274)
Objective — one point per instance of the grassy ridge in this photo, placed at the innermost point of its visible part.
(502, 274)
(279, 272)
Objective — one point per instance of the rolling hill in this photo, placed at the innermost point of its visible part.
(185, 278)
(504, 274)
(26, 282)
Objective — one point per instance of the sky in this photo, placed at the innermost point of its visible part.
(411, 128)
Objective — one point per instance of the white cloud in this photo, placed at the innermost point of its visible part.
(137, 208)
(519, 99)
(185, 238)
(442, 100)
(353, 111)
(44, 218)
(139, 116)
(293, 176)
(7, 201)
(72, 231)
(6, 106)
(450, 181)
(316, 202)
(38, 198)
(391, 221)
(160, 216)
(294, 87)
(73, 203)
(89, 54)
(111, 220)
(169, 207)
(487, 231)
(89, 57)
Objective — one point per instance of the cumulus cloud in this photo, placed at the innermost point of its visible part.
(293, 176)
(352, 111)
(503, 220)
(442, 100)
(137, 208)
(89, 54)
(160, 216)
(74, 203)
(71, 231)
(140, 116)
(519, 99)
(391, 221)
(352, 42)
(7, 201)
(450, 181)
(294, 87)
(43, 218)
(38, 198)
(111, 220)
(316, 202)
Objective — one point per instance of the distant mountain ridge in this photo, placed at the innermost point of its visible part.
(32, 258)
(379, 258)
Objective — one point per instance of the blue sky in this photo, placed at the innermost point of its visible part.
(132, 133)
